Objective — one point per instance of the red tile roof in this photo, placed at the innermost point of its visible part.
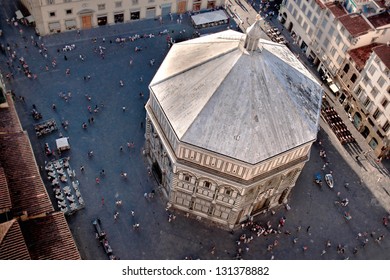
(337, 9)
(383, 52)
(5, 199)
(45, 232)
(355, 24)
(9, 121)
(27, 190)
(380, 20)
(361, 55)
(12, 244)
(49, 238)
(381, 3)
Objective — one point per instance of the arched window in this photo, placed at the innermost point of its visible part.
(346, 68)
(353, 78)
(373, 143)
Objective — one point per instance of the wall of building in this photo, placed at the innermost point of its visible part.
(327, 48)
(348, 74)
(100, 12)
(228, 203)
(327, 39)
(372, 91)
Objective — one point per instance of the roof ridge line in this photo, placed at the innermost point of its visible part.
(219, 84)
(193, 66)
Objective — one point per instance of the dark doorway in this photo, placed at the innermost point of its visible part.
(290, 27)
(283, 18)
(261, 206)
(134, 15)
(156, 170)
(283, 195)
(342, 98)
(118, 18)
(102, 20)
(365, 132)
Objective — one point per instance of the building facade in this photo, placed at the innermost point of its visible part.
(339, 38)
(52, 16)
(325, 30)
(368, 103)
(216, 147)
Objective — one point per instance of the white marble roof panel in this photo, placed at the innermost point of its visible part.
(246, 106)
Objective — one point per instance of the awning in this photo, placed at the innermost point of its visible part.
(333, 88)
(30, 19)
(70, 23)
(54, 26)
(19, 14)
(209, 17)
(62, 143)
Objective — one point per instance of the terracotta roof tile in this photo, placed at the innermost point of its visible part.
(361, 55)
(46, 234)
(380, 20)
(27, 190)
(383, 52)
(355, 24)
(12, 244)
(49, 238)
(337, 9)
(5, 199)
(9, 121)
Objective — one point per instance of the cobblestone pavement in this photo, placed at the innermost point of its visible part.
(312, 209)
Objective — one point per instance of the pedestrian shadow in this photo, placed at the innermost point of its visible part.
(353, 148)
(361, 164)
(374, 163)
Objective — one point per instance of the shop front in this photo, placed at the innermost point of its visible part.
(70, 24)
(134, 15)
(102, 20)
(54, 27)
(166, 9)
(119, 17)
(150, 13)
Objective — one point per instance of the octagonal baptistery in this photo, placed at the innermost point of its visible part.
(229, 125)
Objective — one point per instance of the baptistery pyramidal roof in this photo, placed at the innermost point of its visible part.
(247, 105)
